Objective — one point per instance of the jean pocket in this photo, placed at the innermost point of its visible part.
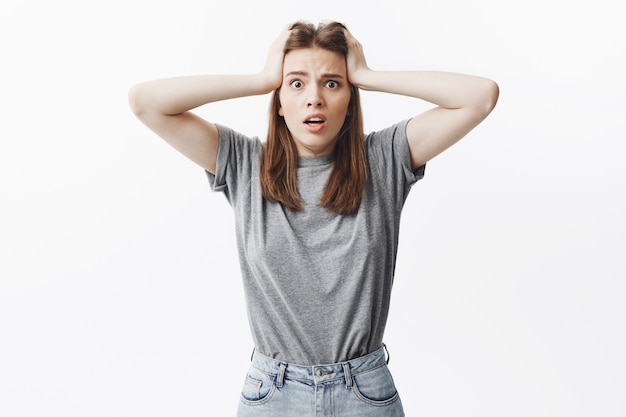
(258, 387)
(375, 387)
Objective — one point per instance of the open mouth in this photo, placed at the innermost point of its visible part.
(315, 119)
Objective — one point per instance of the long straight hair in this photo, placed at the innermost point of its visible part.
(279, 163)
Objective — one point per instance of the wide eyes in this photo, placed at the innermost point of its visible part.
(297, 84)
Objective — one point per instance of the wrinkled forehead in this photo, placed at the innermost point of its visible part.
(314, 61)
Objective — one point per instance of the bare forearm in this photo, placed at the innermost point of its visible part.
(445, 89)
(175, 96)
(171, 96)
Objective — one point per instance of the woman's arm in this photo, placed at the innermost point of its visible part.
(463, 101)
(163, 105)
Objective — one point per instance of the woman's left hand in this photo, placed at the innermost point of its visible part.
(355, 60)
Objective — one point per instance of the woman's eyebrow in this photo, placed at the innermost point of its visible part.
(306, 74)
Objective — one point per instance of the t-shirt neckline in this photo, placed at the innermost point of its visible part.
(311, 161)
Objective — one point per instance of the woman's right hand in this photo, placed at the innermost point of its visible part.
(273, 69)
(164, 105)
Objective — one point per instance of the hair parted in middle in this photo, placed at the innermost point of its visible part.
(279, 163)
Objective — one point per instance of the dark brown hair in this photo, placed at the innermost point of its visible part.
(279, 163)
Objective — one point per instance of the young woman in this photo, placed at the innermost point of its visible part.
(317, 208)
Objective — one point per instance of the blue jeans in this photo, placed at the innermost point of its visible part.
(361, 387)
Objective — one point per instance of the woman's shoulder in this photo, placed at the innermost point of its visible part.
(238, 140)
(231, 133)
(394, 130)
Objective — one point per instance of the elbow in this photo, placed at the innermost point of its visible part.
(483, 100)
(137, 100)
(489, 96)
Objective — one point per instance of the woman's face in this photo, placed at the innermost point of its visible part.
(314, 98)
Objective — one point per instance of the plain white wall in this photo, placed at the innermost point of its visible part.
(119, 283)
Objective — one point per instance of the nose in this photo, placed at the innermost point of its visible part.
(314, 97)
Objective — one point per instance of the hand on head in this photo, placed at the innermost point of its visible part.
(273, 69)
(355, 60)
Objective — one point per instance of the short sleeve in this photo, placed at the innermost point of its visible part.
(237, 159)
(390, 158)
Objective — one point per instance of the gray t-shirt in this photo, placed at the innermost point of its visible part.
(317, 284)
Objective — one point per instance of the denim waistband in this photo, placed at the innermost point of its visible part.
(319, 374)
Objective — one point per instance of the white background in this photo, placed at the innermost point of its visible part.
(119, 284)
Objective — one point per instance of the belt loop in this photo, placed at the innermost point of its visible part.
(347, 374)
(252, 355)
(387, 352)
(280, 378)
